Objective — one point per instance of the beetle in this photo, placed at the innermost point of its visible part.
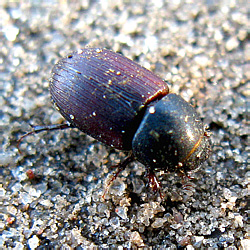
(127, 107)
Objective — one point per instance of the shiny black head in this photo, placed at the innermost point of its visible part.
(171, 136)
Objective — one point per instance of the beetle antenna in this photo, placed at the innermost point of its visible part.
(38, 129)
(121, 166)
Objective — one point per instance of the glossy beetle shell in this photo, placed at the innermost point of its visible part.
(171, 136)
(124, 105)
(104, 94)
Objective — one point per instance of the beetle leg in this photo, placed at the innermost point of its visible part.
(186, 182)
(38, 129)
(120, 167)
(153, 182)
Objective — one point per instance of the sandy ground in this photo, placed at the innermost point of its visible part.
(51, 193)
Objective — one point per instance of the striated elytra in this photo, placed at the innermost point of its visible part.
(125, 106)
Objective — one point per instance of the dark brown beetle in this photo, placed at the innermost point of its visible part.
(125, 106)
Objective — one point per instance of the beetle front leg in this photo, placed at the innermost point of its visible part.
(120, 167)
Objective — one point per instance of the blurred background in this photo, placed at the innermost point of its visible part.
(51, 194)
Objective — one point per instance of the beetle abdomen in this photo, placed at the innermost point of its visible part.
(104, 94)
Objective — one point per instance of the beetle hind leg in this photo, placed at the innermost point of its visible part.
(38, 129)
